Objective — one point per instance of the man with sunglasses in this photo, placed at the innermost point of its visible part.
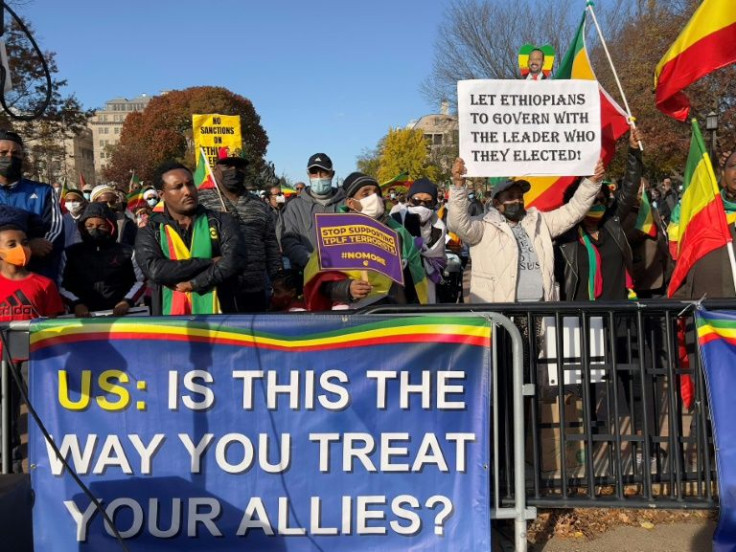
(298, 236)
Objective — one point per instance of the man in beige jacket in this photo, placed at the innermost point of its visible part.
(511, 248)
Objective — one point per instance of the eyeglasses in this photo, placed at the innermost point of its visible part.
(424, 203)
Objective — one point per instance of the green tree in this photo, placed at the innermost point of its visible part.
(405, 150)
(164, 131)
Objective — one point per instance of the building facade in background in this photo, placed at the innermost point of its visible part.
(107, 123)
(66, 162)
(441, 133)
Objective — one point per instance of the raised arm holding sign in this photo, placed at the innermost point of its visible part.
(511, 248)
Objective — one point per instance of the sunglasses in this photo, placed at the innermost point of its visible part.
(423, 202)
(317, 170)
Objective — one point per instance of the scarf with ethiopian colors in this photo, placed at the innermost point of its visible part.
(174, 248)
(595, 276)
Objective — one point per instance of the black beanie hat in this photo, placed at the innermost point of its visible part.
(98, 210)
(355, 181)
(423, 186)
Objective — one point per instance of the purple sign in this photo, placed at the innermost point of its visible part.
(352, 241)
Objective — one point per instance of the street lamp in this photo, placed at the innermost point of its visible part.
(711, 123)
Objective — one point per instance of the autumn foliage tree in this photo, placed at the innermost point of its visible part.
(636, 49)
(163, 130)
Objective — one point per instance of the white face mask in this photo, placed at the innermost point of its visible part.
(425, 213)
(74, 207)
(372, 206)
(152, 201)
(280, 198)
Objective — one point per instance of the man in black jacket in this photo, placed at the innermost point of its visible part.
(191, 255)
(257, 228)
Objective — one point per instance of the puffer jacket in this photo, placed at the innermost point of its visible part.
(204, 274)
(493, 248)
(100, 274)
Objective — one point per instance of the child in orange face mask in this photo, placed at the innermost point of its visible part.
(23, 294)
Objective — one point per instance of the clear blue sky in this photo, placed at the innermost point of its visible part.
(327, 76)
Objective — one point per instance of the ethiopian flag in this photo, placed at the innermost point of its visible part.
(401, 179)
(547, 192)
(174, 248)
(702, 226)
(135, 200)
(704, 45)
(203, 177)
(288, 191)
(645, 219)
(135, 182)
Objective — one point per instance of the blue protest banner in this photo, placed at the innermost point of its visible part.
(717, 342)
(287, 433)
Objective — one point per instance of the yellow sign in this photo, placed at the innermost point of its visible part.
(213, 132)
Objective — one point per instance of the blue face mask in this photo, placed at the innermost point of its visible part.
(320, 186)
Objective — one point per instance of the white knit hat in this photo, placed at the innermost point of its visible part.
(97, 191)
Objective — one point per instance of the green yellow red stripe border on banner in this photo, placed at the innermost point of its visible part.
(710, 329)
(465, 330)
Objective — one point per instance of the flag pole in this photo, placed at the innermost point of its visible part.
(632, 121)
(212, 174)
(732, 258)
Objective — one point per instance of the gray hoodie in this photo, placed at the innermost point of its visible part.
(298, 238)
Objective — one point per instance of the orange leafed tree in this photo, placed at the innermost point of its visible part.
(164, 131)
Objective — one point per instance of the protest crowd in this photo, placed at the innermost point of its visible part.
(233, 249)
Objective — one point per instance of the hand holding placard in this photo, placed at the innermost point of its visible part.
(458, 170)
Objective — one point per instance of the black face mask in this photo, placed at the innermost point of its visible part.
(98, 235)
(10, 168)
(514, 211)
(233, 180)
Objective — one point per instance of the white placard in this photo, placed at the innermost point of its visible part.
(529, 128)
(572, 349)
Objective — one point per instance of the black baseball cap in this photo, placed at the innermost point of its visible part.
(506, 184)
(320, 160)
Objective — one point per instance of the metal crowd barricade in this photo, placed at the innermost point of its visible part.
(607, 426)
(587, 406)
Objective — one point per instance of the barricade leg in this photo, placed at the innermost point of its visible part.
(5, 424)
